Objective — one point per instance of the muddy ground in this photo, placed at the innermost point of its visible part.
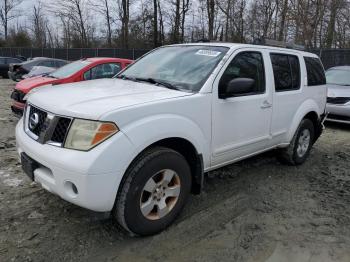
(256, 210)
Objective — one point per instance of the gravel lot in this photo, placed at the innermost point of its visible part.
(256, 210)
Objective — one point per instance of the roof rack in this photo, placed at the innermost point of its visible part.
(272, 42)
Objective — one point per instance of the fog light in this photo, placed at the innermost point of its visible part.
(71, 189)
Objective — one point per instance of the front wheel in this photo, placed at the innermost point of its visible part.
(153, 192)
(300, 146)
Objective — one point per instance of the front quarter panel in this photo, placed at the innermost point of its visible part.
(187, 117)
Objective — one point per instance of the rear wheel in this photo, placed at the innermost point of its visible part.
(300, 146)
(153, 192)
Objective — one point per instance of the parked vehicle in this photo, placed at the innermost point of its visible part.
(338, 100)
(5, 64)
(138, 144)
(39, 71)
(17, 70)
(85, 69)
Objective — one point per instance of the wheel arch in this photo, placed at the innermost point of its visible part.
(309, 110)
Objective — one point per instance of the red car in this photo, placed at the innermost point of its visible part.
(84, 69)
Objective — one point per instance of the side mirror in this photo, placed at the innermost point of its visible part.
(237, 87)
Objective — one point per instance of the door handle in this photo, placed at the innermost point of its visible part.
(266, 104)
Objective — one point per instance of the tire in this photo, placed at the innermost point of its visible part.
(295, 153)
(131, 208)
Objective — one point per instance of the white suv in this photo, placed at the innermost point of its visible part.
(138, 144)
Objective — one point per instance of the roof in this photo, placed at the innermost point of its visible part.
(346, 67)
(99, 59)
(238, 45)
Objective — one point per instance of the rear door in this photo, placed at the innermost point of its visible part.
(287, 95)
(241, 124)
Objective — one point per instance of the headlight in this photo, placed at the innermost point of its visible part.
(86, 134)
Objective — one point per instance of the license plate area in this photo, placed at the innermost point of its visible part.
(28, 165)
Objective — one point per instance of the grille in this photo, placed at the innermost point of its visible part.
(18, 96)
(61, 129)
(338, 100)
(34, 112)
(45, 127)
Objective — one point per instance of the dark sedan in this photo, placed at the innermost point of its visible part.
(16, 71)
(5, 64)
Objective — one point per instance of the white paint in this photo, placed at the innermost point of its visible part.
(221, 130)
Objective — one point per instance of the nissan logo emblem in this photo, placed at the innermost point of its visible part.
(33, 120)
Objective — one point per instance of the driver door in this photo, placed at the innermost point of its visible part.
(241, 123)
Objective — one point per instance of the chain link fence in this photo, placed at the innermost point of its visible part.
(333, 57)
(72, 54)
(329, 57)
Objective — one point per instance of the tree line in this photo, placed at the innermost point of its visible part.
(151, 23)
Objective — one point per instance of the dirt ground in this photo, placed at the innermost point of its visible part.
(255, 210)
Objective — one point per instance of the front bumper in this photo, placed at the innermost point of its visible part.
(338, 113)
(96, 174)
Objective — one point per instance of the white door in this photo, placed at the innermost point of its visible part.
(241, 123)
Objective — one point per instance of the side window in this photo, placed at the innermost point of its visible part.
(102, 71)
(246, 65)
(315, 72)
(116, 68)
(286, 72)
(59, 63)
(13, 61)
(47, 63)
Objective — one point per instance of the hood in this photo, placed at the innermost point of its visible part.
(91, 99)
(338, 90)
(28, 84)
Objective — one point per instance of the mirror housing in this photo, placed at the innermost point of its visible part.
(237, 87)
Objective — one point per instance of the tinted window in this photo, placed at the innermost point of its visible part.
(60, 63)
(245, 65)
(2, 60)
(13, 60)
(48, 63)
(103, 71)
(286, 72)
(315, 72)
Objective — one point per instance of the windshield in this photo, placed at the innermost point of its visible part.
(183, 67)
(338, 77)
(69, 69)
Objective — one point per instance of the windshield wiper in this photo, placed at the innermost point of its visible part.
(149, 80)
(157, 82)
(125, 77)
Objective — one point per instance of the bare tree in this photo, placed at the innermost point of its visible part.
(39, 25)
(104, 8)
(211, 16)
(76, 13)
(8, 12)
(124, 14)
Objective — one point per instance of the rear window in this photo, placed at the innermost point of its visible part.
(286, 72)
(315, 72)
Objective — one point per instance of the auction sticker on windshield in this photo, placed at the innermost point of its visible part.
(208, 53)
